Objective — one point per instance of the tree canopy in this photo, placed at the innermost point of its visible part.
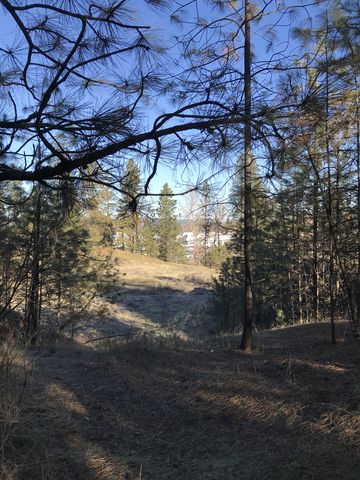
(79, 77)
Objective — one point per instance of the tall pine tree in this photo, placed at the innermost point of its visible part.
(171, 248)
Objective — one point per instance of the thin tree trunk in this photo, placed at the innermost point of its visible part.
(357, 321)
(291, 298)
(300, 287)
(330, 210)
(315, 272)
(32, 318)
(337, 226)
(248, 218)
(335, 248)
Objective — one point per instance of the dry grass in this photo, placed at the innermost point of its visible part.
(159, 409)
(159, 405)
(147, 270)
(145, 293)
(14, 373)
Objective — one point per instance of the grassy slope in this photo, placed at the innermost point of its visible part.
(160, 409)
(144, 293)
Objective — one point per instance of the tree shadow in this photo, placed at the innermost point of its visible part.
(140, 308)
(139, 410)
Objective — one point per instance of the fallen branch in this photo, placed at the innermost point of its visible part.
(111, 336)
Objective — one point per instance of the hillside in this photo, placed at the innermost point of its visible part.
(157, 407)
(142, 293)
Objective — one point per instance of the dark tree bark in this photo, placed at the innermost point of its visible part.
(315, 273)
(33, 304)
(248, 216)
(357, 322)
(330, 210)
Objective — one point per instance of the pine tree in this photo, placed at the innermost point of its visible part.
(45, 261)
(70, 271)
(168, 228)
(14, 248)
(128, 215)
(248, 198)
(102, 216)
(207, 221)
(33, 307)
(148, 237)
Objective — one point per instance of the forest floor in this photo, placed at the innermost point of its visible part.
(173, 407)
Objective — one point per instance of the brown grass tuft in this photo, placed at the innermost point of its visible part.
(14, 374)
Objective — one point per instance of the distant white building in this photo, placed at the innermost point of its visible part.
(193, 241)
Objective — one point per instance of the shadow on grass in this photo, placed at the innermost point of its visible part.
(145, 410)
(138, 308)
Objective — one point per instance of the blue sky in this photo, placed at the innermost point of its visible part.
(180, 178)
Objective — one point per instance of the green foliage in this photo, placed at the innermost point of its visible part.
(206, 221)
(71, 277)
(217, 254)
(100, 216)
(148, 239)
(128, 213)
(228, 294)
(270, 282)
(46, 267)
(14, 245)
(168, 229)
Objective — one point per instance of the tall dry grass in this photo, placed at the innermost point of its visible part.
(14, 374)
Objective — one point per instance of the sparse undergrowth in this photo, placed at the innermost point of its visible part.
(14, 374)
(164, 402)
(161, 408)
(143, 293)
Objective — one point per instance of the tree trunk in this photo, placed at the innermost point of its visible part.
(300, 291)
(357, 322)
(32, 314)
(315, 272)
(330, 213)
(248, 218)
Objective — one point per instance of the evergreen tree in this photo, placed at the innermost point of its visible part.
(128, 215)
(207, 221)
(70, 273)
(14, 248)
(102, 216)
(45, 261)
(148, 238)
(171, 248)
